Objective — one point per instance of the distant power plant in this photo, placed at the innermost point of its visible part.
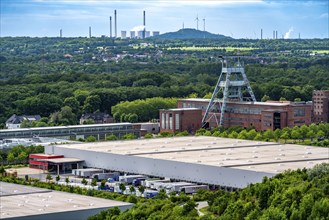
(138, 32)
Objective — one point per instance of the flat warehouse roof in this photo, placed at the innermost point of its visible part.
(34, 201)
(221, 152)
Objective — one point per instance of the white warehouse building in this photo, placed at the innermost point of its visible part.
(208, 160)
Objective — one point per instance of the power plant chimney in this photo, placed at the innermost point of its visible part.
(115, 23)
(276, 34)
(273, 34)
(261, 34)
(60, 33)
(110, 26)
(89, 32)
(144, 24)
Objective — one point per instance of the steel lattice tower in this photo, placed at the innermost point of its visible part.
(232, 82)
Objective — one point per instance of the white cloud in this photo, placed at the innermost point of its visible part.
(324, 15)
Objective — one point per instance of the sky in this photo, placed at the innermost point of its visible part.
(235, 18)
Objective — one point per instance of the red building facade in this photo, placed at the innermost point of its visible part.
(320, 102)
(180, 119)
(261, 115)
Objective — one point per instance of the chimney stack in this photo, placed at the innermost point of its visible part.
(115, 23)
(110, 26)
(144, 24)
(89, 32)
(60, 33)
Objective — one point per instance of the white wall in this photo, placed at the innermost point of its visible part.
(164, 168)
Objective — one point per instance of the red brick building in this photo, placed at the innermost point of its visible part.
(261, 115)
(320, 102)
(180, 119)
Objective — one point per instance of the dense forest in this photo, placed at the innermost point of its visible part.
(62, 78)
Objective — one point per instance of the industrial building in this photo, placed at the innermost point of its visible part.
(57, 163)
(320, 102)
(233, 103)
(100, 131)
(180, 119)
(200, 159)
(261, 115)
(20, 202)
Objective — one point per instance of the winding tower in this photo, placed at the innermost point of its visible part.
(232, 86)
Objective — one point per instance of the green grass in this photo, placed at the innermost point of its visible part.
(228, 49)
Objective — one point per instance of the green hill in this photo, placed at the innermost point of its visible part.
(189, 33)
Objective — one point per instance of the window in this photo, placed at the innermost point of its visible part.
(299, 112)
(170, 120)
(162, 120)
(177, 125)
(167, 120)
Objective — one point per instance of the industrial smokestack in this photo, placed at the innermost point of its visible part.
(110, 27)
(60, 33)
(144, 18)
(89, 32)
(273, 34)
(276, 34)
(144, 24)
(261, 34)
(115, 23)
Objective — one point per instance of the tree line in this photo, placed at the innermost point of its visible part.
(19, 154)
(314, 134)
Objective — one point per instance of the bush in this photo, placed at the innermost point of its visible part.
(112, 137)
(148, 135)
(129, 136)
(90, 139)
(183, 133)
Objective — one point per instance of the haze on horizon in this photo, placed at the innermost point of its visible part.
(235, 18)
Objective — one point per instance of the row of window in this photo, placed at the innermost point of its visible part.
(167, 121)
(62, 131)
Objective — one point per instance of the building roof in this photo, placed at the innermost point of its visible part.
(96, 116)
(182, 109)
(17, 119)
(223, 152)
(241, 103)
(62, 160)
(26, 201)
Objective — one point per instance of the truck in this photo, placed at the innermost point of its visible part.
(176, 186)
(88, 172)
(105, 176)
(128, 179)
(150, 193)
(150, 182)
(193, 189)
(138, 181)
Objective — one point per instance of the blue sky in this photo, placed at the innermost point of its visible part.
(236, 18)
